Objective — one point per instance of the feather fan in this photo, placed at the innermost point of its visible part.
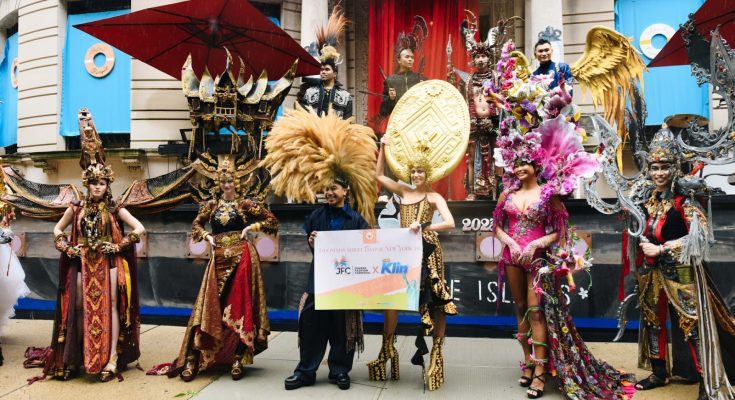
(307, 152)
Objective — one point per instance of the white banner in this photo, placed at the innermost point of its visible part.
(372, 269)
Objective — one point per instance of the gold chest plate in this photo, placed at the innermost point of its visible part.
(435, 113)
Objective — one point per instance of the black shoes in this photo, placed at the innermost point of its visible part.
(295, 382)
(341, 380)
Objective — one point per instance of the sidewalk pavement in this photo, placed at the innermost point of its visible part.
(475, 368)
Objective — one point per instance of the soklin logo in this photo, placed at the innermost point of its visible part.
(393, 267)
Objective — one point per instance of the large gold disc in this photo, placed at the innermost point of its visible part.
(433, 113)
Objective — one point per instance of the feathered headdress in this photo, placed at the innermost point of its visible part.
(328, 37)
(414, 39)
(306, 153)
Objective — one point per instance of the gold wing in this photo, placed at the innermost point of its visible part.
(610, 68)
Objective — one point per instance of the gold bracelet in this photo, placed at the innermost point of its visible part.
(60, 236)
(133, 237)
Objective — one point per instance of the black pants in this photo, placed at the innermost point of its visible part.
(316, 329)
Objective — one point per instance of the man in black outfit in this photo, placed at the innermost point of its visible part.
(342, 329)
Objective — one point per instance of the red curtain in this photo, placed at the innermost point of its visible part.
(390, 17)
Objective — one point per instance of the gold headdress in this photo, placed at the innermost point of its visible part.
(307, 152)
(250, 181)
(429, 128)
(92, 160)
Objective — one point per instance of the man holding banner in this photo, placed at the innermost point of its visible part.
(338, 158)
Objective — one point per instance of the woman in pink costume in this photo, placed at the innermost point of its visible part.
(531, 221)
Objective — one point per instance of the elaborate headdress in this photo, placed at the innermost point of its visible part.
(663, 147)
(250, 181)
(328, 37)
(306, 153)
(414, 39)
(92, 160)
(555, 147)
(428, 128)
(495, 36)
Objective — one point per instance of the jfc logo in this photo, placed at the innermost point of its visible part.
(342, 267)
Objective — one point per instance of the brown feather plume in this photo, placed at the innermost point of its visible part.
(307, 152)
(331, 33)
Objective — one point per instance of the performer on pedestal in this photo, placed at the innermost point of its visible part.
(229, 320)
(543, 52)
(328, 92)
(309, 154)
(480, 179)
(396, 85)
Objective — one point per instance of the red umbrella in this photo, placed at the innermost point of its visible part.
(164, 36)
(706, 19)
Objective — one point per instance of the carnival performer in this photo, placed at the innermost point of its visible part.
(97, 323)
(328, 93)
(541, 151)
(12, 277)
(558, 71)
(531, 222)
(309, 154)
(671, 276)
(417, 208)
(418, 153)
(480, 179)
(229, 320)
(396, 85)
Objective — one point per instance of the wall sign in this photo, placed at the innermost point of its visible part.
(646, 40)
(101, 71)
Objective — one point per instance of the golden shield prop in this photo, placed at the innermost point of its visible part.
(432, 115)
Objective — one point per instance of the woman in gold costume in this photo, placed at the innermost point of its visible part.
(418, 203)
(229, 321)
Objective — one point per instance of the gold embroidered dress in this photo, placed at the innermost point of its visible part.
(230, 311)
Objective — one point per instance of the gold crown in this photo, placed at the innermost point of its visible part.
(420, 159)
(96, 172)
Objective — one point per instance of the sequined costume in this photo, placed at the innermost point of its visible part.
(229, 317)
(580, 374)
(666, 284)
(435, 294)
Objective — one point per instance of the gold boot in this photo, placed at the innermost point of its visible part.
(376, 368)
(435, 374)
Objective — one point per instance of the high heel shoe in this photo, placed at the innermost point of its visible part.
(376, 368)
(435, 374)
(237, 371)
(525, 381)
(533, 393)
(191, 368)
